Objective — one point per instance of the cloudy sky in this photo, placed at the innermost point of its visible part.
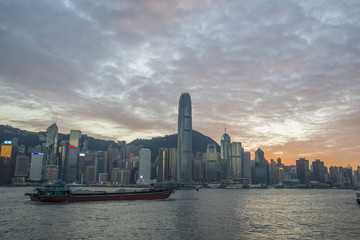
(280, 75)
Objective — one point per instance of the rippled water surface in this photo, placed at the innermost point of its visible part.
(207, 214)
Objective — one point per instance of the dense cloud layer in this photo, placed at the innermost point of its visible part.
(280, 75)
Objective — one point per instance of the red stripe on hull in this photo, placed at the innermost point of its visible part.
(103, 198)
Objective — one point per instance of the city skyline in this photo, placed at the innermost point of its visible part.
(280, 76)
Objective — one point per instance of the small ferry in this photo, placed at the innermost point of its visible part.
(60, 193)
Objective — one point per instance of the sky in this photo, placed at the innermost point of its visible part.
(279, 75)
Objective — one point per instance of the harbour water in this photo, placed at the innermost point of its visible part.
(189, 214)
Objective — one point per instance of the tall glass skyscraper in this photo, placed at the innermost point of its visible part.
(51, 145)
(184, 144)
(72, 163)
(211, 162)
(226, 167)
(51, 159)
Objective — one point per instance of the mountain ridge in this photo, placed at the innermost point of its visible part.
(32, 139)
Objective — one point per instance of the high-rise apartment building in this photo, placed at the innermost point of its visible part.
(144, 165)
(100, 164)
(184, 144)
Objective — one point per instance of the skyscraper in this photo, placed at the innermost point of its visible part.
(36, 166)
(72, 163)
(236, 157)
(302, 170)
(225, 142)
(211, 157)
(225, 165)
(51, 145)
(162, 163)
(260, 171)
(144, 165)
(319, 171)
(184, 144)
(100, 164)
(51, 159)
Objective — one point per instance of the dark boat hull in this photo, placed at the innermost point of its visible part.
(103, 196)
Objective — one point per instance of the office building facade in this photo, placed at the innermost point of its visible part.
(72, 161)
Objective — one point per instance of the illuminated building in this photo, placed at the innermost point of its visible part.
(5, 162)
(184, 143)
(81, 166)
(6, 149)
(72, 161)
(144, 165)
(36, 166)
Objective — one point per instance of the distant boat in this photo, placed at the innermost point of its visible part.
(259, 186)
(59, 193)
(234, 186)
(358, 198)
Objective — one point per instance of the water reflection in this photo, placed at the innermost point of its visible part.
(207, 214)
